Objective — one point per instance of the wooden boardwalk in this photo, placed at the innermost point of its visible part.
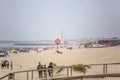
(103, 68)
(81, 77)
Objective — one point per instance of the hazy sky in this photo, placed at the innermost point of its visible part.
(44, 19)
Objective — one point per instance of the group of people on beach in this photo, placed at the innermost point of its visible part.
(42, 70)
(5, 64)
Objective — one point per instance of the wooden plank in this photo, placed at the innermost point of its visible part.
(113, 75)
(84, 76)
(4, 77)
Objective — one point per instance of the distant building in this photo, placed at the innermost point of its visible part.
(109, 41)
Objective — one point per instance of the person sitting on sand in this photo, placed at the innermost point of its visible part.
(7, 64)
(2, 65)
(11, 65)
(39, 67)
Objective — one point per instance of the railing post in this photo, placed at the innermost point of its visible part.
(32, 75)
(67, 71)
(27, 75)
(106, 68)
(84, 69)
(71, 70)
(14, 76)
(11, 76)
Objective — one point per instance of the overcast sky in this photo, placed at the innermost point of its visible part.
(44, 19)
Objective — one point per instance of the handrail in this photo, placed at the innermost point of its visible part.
(42, 69)
(4, 77)
(104, 70)
(102, 64)
(66, 67)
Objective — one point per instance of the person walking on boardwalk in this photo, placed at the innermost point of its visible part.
(45, 73)
(50, 69)
(39, 68)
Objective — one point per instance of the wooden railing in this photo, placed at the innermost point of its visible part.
(4, 77)
(69, 72)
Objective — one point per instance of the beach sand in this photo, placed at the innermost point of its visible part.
(27, 61)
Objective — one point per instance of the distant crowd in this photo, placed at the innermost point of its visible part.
(5, 64)
(43, 73)
(4, 52)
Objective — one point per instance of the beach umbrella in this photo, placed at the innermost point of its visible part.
(13, 51)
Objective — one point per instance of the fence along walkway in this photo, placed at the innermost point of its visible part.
(104, 70)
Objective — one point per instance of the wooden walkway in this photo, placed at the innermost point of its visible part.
(82, 77)
(104, 72)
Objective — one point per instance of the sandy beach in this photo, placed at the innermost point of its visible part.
(27, 61)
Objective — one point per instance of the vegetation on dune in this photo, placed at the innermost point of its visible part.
(80, 68)
(77, 68)
(60, 70)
